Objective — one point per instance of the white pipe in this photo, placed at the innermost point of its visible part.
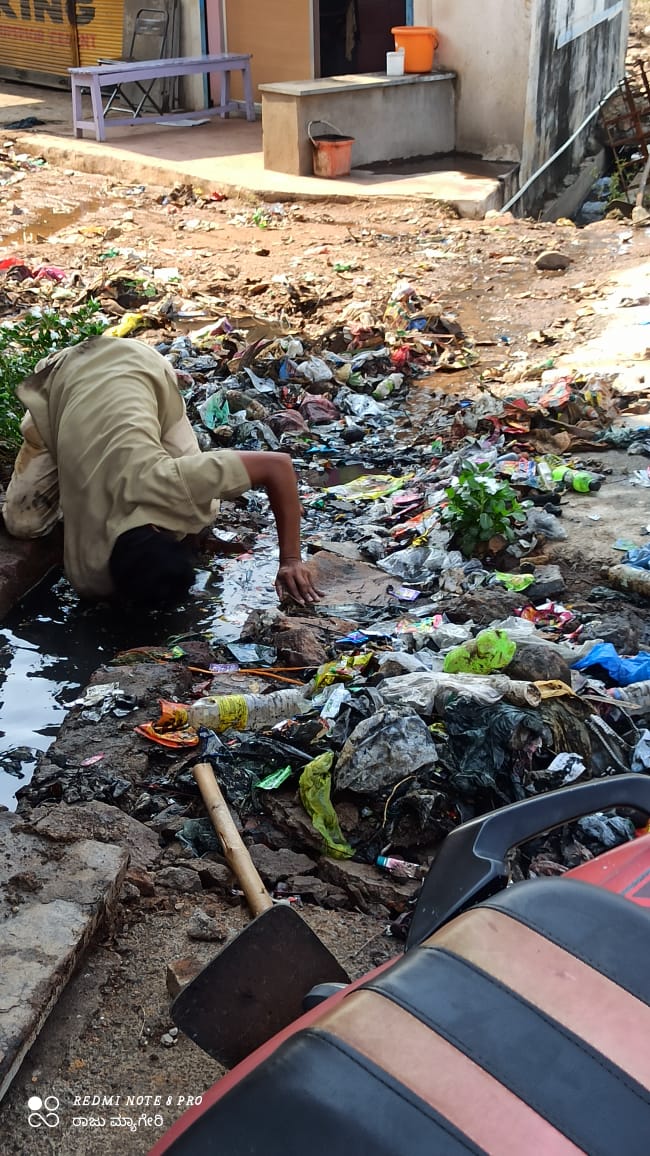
(562, 149)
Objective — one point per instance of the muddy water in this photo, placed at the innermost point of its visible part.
(52, 642)
(46, 223)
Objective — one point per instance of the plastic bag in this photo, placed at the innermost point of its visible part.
(622, 671)
(490, 650)
(382, 749)
(315, 785)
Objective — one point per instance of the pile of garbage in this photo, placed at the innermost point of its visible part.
(445, 675)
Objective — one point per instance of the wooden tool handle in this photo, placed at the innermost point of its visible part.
(234, 848)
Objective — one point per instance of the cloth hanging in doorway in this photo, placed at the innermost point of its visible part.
(351, 29)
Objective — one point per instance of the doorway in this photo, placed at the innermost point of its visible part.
(355, 34)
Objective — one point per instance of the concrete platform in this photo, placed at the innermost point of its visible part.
(228, 156)
(50, 907)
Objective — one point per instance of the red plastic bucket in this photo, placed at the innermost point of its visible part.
(332, 151)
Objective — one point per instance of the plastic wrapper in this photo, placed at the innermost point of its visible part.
(315, 786)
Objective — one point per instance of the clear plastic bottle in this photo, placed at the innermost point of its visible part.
(248, 711)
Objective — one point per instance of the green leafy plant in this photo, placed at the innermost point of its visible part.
(22, 345)
(480, 506)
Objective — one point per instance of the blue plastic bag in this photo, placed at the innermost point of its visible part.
(622, 671)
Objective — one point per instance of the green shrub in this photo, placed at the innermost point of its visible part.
(22, 345)
(479, 506)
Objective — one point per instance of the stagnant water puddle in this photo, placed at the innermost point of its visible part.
(52, 642)
(45, 223)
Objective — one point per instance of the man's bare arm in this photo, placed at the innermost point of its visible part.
(275, 473)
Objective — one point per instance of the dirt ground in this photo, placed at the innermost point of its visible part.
(302, 263)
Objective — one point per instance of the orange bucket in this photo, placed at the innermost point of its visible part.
(419, 45)
(332, 151)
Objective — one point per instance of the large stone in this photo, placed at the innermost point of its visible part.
(366, 887)
(486, 606)
(100, 821)
(276, 865)
(624, 629)
(52, 900)
(535, 662)
(179, 879)
(300, 647)
(345, 581)
(553, 260)
(549, 583)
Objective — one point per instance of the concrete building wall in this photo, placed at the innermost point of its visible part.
(577, 55)
(490, 53)
(529, 73)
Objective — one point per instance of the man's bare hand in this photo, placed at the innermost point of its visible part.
(294, 580)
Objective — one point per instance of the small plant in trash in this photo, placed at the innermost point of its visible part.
(479, 506)
(22, 345)
(260, 219)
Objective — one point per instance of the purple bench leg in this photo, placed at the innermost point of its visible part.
(77, 113)
(98, 109)
(248, 91)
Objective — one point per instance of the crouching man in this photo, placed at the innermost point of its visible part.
(108, 447)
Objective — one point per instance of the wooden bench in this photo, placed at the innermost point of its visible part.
(97, 76)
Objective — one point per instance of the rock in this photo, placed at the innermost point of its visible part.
(300, 647)
(308, 886)
(552, 259)
(498, 217)
(170, 820)
(167, 1040)
(180, 972)
(291, 818)
(179, 879)
(142, 880)
(213, 876)
(129, 893)
(343, 549)
(276, 865)
(640, 217)
(349, 582)
(535, 662)
(100, 821)
(61, 895)
(202, 926)
(548, 584)
(486, 606)
(366, 887)
(624, 630)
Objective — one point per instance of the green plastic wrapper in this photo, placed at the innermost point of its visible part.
(271, 782)
(315, 785)
(491, 650)
(516, 582)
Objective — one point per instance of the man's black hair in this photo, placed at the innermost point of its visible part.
(150, 567)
